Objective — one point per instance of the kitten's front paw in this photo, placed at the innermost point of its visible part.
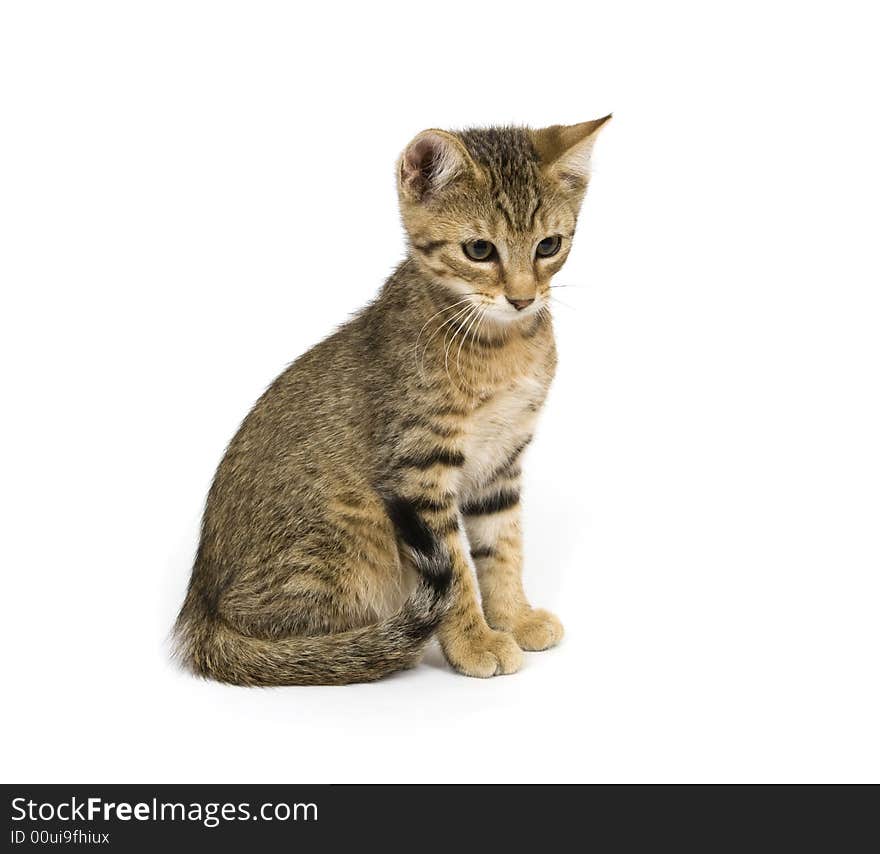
(483, 653)
(537, 629)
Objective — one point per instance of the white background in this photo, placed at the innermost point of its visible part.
(193, 194)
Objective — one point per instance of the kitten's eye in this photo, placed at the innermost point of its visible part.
(479, 250)
(548, 246)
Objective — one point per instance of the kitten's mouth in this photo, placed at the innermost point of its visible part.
(507, 314)
(497, 308)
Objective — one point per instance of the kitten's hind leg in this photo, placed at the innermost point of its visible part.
(324, 575)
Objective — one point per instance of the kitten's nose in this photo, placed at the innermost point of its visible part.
(520, 304)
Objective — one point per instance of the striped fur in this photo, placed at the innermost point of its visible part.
(349, 511)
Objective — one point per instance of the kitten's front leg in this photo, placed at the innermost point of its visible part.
(492, 519)
(469, 643)
(426, 500)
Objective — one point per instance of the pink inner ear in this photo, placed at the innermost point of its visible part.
(427, 165)
(420, 159)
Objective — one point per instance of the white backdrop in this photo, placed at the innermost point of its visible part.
(192, 194)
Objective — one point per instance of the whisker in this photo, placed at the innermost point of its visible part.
(455, 316)
(452, 340)
(567, 305)
(477, 316)
(446, 322)
(483, 315)
(435, 314)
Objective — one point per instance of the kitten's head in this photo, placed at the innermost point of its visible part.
(491, 213)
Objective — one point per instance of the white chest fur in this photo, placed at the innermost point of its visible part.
(498, 427)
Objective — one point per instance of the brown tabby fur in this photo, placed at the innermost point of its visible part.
(337, 532)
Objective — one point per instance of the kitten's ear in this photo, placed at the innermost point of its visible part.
(565, 151)
(429, 163)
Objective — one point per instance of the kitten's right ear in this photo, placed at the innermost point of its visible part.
(565, 151)
(429, 163)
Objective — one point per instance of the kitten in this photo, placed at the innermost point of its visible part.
(344, 520)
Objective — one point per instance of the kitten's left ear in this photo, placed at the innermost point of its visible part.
(565, 151)
(429, 163)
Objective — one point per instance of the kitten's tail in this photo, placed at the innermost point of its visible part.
(214, 649)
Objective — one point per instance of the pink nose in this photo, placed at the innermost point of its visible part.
(520, 304)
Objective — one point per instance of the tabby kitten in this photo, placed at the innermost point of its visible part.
(345, 520)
